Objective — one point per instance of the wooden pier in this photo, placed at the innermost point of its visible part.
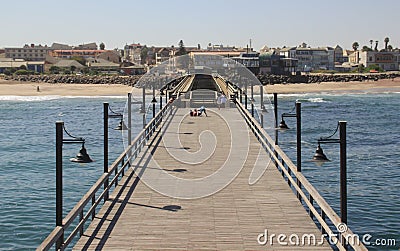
(241, 215)
(136, 217)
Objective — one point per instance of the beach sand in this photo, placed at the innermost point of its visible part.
(380, 86)
(31, 89)
(45, 89)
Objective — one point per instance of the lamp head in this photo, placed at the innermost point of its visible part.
(282, 125)
(82, 156)
(319, 156)
(154, 101)
(121, 126)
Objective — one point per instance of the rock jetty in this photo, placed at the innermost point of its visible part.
(264, 79)
(318, 78)
(75, 79)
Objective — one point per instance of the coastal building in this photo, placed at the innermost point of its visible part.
(102, 65)
(111, 56)
(28, 52)
(250, 61)
(9, 63)
(320, 58)
(67, 54)
(271, 62)
(340, 55)
(132, 53)
(67, 64)
(386, 60)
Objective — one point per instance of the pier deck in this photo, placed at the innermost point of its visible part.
(138, 218)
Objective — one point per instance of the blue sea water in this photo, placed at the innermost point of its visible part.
(27, 158)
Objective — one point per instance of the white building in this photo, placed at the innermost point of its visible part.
(386, 60)
(321, 58)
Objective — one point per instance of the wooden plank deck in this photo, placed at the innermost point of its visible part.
(138, 218)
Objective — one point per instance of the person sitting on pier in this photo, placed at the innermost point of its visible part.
(201, 110)
(198, 112)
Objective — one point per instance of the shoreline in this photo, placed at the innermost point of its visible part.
(16, 88)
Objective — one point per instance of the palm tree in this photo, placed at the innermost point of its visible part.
(386, 43)
(371, 41)
(355, 46)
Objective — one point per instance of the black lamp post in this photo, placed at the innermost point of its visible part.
(81, 157)
(283, 126)
(245, 100)
(252, 107)
(320, 158)
(276, 116)
(154, 101)
(161, 95)
(121, 126)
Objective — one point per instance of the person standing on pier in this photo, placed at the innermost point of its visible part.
(221, 100)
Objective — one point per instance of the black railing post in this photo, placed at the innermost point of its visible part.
(59, 180)
(105, 169)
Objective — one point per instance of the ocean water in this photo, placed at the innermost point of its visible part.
(27, 158)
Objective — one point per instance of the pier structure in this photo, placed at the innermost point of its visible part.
(215, 182)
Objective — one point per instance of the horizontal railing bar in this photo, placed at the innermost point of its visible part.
(51, 239)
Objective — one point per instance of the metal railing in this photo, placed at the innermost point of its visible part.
(316, 205)
(118, 169)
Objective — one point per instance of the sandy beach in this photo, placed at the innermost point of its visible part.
(380, 86)
(31, 89)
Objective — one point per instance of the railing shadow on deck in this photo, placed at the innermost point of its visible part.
(115, 171)
(319, 210)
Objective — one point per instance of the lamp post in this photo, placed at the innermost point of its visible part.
(121, 126)
(320, 157)
(143, 107)
(262, 98)
(283, 126)
(252, 108)
(245, 100)
(161, 95)
(154, 101)
(81, 157)
(276, 116)
(129, 118)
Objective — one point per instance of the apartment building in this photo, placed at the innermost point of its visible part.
(386, 60)
(28, 52)
(321, 58)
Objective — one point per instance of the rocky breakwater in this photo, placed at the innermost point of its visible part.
(76, 79)
(318, 78)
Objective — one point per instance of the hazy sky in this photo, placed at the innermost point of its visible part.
(227, 22)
